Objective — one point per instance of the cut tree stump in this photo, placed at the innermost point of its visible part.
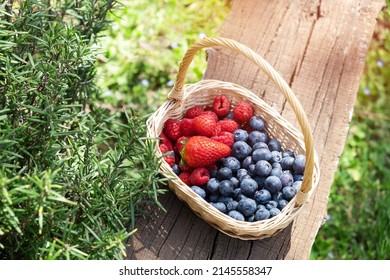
(319, 47)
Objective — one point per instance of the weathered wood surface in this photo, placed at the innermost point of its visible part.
(319, 47)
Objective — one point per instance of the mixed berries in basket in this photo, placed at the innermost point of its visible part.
(235, 161)
(226, 156)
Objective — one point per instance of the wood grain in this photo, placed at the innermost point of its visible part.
(319, 48)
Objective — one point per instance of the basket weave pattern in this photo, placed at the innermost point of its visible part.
(182, 97)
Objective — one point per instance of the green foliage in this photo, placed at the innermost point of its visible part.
(147, 41)
(73, 174)
(358, 206)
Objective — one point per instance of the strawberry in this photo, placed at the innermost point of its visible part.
(172, 129)
(185, 177)
(164, 140)
(186, 128)
(243, 112)
(204, 125)
(221, 105)
(201, 151)
(225, 137)
(193, 112)
(228, 125)
(200, 176)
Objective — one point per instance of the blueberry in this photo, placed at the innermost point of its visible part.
(248, 187)
(262, 196)
(213, 173)
(299, 163)
(256, 123)
(297, 185)
(232, 163)
(273, 184)
(288, 153)
(236, 215)
(226, 188)
(276, 165)
(276, 157)
(262, 214)
(237, 194)
(243, 177)
(214, 197)
(274, 145)
(257, 136)
(260, 145)
(273, 212)
(240, 135)
(246, 162)
(241, 173)
(288, 193)
(241, 150)
(277, 196)
(199, 191)
(263, 168)
(247, 206)
(251, 170)
(261, 154)
(225, 199)
(224, 173)
(219, 206)
(235, 182)
(282, 203)
(287, 179)
(250, 219)
(232, 205)
(276, 172)
(271, 204)
(176, 169)
(298, 177)
(230, 115)
(287, 163)
(260, 181)
(212, 185)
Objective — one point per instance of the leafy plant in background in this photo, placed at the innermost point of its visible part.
(72, 173)
(359, 213)
(145, 44)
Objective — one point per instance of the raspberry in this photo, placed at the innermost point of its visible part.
(221, 106)
(243, 112)
(185, 177)
(228, 125)
(193, 112)
(211, 113)
(166, 141)
(185, 167)
(172, 129)
(163, 148)
(200, 176)
(204, 125)
(225, 138)
(186, 127)
(180, 144)
(170, 160)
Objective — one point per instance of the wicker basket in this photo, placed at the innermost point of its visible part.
(183, 97)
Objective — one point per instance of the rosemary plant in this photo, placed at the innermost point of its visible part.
(73, 175)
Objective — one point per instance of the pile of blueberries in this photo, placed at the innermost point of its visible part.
(258, 180)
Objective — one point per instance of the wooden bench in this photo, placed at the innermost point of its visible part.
(319, 47)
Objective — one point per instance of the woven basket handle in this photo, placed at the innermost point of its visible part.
(177, 94)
